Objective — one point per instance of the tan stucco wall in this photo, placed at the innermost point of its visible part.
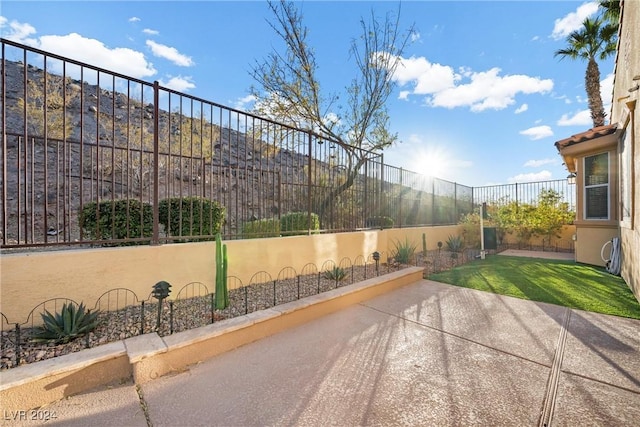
(85, 274)
(628, 67)
(564, 240)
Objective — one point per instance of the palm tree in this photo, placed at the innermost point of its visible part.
(595, 40)
(610, 11)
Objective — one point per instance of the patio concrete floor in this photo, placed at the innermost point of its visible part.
(426, 354)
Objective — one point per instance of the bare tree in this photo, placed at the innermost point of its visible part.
(291, 92)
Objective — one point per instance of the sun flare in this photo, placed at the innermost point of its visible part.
(432, 161)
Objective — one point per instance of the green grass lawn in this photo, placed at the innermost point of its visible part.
(557, 282)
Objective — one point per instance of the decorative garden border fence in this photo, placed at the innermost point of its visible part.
(124, 314)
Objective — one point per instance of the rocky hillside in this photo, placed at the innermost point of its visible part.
(93, 139)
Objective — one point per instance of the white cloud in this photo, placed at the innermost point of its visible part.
(427, 77)
(537, 132)
(606, 89)
(404, 94)
(170, 53)
(479, 91)
(573, 21)
(124, 60)
(179, 83)
(16, 31)
(583, 117)
(415, 36)
(150, 32)
(488, 90)
(544, 175)
(538, 163)
(134, 19)
(242, 103)
(522, 109)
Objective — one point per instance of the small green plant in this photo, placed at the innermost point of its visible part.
(222, 292)
(455, 245)
(266, 227)
(337, 274)
(404, 252)
(424, 245)
(71, 322)
(297, 223)
(117, 219)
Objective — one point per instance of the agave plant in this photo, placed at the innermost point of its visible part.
(404, 252)
(336, 273)
(455, 245)
(71, 322)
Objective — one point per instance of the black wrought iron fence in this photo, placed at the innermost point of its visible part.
(525, 193)
(94, 157)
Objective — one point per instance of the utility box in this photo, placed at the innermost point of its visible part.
(490, 238)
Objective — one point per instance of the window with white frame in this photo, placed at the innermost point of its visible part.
(625, 178)
(596, 186)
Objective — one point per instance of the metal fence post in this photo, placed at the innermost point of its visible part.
(310, 187)
(400, 201)
(156, 168)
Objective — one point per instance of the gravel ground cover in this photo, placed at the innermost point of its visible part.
(192, 308)
(186, 312)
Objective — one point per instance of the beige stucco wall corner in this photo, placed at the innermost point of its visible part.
(33, 385)
(142, 350)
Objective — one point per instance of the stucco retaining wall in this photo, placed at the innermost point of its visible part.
(150, 356)
(84, 275)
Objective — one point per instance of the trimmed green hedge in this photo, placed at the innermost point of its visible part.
(297, 223)
(191, 216)
(266, 227)
(379, 222)
(117, 219)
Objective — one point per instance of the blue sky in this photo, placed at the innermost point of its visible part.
(481, 99)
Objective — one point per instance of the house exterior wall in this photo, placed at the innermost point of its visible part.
(589, 243)
(591, 235)
(624, 112)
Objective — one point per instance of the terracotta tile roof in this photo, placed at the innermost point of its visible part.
(587, 135)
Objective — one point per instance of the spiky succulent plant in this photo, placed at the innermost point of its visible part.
(71, 322)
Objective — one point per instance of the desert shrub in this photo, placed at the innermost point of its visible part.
(337, 274)
(404, 251)
(379, 222)
(191, 216)
(455, 244)
(297, 223)
(266, 227)
(117, 219)
(471, 229)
